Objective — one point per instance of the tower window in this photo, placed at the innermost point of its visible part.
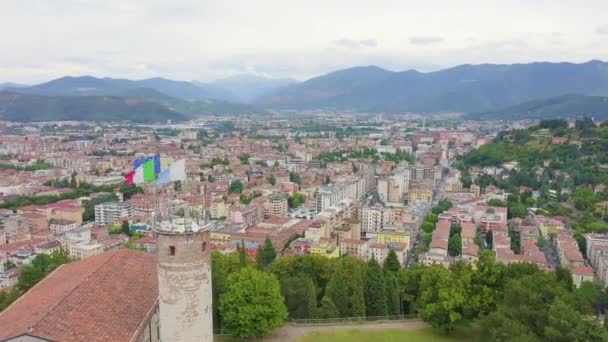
(172, 250)
(204, 247)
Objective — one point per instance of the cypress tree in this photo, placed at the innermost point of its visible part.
(300, 296)
(347, 287)
(392, 294)
(375, 290)
(391, 263)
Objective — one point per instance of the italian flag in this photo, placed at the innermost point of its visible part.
(143, 173)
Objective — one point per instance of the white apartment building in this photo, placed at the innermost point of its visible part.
(110, 212)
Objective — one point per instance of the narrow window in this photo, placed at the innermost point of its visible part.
(172, 250)
(204, 247)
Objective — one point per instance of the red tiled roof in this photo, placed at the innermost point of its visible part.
(582, 270)
(101, 298)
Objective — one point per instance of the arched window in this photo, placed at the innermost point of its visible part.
(172, 250)
(204, 247)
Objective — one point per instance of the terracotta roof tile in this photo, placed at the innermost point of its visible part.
(101, 298)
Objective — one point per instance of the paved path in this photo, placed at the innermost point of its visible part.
(293, 332)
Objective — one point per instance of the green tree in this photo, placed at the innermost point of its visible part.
(272, 180)
(252, 305)
(295, 177)
(7, 298)
(428, 227)
(441, 298)
(391, 263)
(296, 200)
(266, 253)
(393, 302)
(347, 287)
(327, 309)
(455, 245)
(73, 182)
(222, 267)
(300, 296)
(236, 187)
(125, 228)
(375, 290)
(495, 202)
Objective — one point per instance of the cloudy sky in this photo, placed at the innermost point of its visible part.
(205, 40)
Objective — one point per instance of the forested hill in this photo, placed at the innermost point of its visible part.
(565, 106)
(565, 168)
(464, 88)
(23, 107)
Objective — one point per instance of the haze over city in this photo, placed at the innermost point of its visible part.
(207, 40)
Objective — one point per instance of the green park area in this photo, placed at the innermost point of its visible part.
(392, 335)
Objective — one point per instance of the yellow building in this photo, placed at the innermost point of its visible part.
(219, 239)
(420, 195)
(548, 226)
(390, 234)
(326, 249)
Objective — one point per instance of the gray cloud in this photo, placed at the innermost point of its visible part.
(355, 43)
(425, 40)
(602, 30)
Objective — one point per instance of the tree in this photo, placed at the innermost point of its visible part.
(236, 187)
(375, 290)
(222, 267)
(272, 180)
(300, 296)
(73, 182)
(393, 302)
(428, 227)
(455, 245)
(252, 305)
(296, 200)
(295, 177)
(347, 287)
(495, 202)
(125, 228)
(391, 263)
(441, 298)
(327, 309)
(41, 265)
(266, 253)
(7, 298)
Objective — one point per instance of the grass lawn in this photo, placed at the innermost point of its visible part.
(422, 335)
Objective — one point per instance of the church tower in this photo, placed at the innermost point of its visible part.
(184, 281)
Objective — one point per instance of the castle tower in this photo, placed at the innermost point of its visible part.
(184, 281)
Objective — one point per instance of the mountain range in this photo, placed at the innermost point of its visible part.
(481, 91)
(564, 106)
(465, 88)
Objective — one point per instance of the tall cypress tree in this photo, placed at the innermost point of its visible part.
(347, 287)
(375, 290)
(300, 296)
(391, 263)
(392, 294)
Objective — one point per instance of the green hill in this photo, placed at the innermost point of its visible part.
(23, 107)
(564, 106)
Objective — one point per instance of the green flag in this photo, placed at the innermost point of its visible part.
(149, 175)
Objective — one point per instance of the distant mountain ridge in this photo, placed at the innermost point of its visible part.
(564, 106)
(247, 88)
(464, 88)
(27, 107)
(92, 86)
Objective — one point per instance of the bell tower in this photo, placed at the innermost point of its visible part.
(184, 281)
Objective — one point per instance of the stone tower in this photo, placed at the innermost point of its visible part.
(184, 281)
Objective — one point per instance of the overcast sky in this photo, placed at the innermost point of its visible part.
(205, 40)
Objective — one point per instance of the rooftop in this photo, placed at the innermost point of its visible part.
(101, 298)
